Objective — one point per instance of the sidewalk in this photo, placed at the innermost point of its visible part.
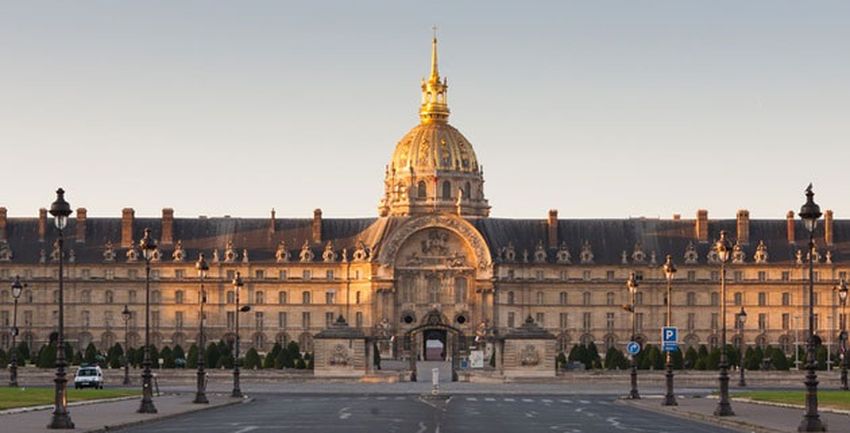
(749, 417)
(98, 417)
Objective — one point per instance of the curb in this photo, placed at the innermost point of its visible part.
(25, 409)
(791, 406)
(741, 426)
(109, 428)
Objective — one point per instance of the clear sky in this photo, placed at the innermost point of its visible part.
(596, 108)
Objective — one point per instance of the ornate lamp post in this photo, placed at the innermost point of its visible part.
(237, 286)
(632, 284)
(669, 272)
(724, 249)
(17, 288)
(810, 213)
(741, 320)
(842, 298)
(125, 315)
(60, 209)
(148, 246)
(200, 394)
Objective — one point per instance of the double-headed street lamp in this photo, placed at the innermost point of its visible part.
(741, 320)
(723, 248)
(669, 272)
(125, 315)
(842, 338)
(810, 213)
(632, 284)
(17, 289)
(148, 247)
(200, 394)
(237, 287)
(61, 419)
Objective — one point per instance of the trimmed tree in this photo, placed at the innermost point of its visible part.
(192, 358)
(252, 359)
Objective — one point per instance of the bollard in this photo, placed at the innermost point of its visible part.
(435, 381)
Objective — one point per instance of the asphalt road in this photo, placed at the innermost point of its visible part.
(393, 413)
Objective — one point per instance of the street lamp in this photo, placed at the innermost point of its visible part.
(723, 248)
(200, 394)
(237, 286)
(741, 320)
(632, 283)
(842, 297)
(810, 213)
(669, 272)
(148, 247)
(17, 288)
(61, 419)
(125, 315)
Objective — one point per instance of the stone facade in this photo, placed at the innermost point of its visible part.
(425, 252)
(340, 351)
(528, 351)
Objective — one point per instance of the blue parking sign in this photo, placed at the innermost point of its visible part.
(670, 338)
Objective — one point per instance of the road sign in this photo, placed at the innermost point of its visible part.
(670, 338)
(633, 348)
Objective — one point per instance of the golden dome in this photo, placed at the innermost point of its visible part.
(434, 146)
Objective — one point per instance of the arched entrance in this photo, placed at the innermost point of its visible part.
(434, 344)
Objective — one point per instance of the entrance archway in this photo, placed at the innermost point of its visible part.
(434, 344)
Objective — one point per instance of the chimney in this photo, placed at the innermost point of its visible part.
(272, 224)
(702, 225)
(552, 226)
(677, 217)
(743, 225)
(317, 226)
(81, 225)
(167, 226)
(2, 223)
(127, 217)
(789, 224)
(42, 224)
(827, 227)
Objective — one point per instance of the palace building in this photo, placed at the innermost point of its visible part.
(428, 277)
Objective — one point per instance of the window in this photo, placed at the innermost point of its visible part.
(691, 299)
(609, 275)
(538, 275)
(786, 321)
(510, 274)
(639, 298)
(357, 297)
(330, 297)
(762, 299)
(762, 321)
(563, 298)
(306, 274)
(109, 297)
(281, 297)
(155, 319)
(816, 275)
(786, 299)
(86, 296)
(817, 300)
(714, 321)
(539, 298)
(540, 319)
(564, 320)
(421, 190)
(155, 274)
(609, 298)
(156, 297)
(511, 320)
(259, 319)
(231, 297)
(585, 275)
(281, 320)
(131, 296)
(460, 291)
(447, 190)
(585, 298)
(178, 319)
(786, 276)
(817, 321)
(738, 276)
(586, 322)
(762, 276)
(85, 273)
(305, 297)
(609, 321)
(259, 274)
(563, 275)
(231, 275)
(132, 274)
(109, 274)
(358, 319)
(510, 298)
(259, 297)
(692, 320)
(231, 320)
(281, 275)
(639, 320)
(329, 275)
(434, 290)
(842, 275)
(406, 285)
(739, 298)
(178, 297)
(179, 274)
(715, 275)
(715, 299)
(357, 274)
(86, 319)
(305, 320)
(692, 276)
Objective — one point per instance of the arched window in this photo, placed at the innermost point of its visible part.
(460, 290)
(563, 298)
(447, 190)
(510, 298)
(539, 298)
(305, 297)
(422, 190)
(281, 297)
(467, 190)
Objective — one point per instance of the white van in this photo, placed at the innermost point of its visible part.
(89, 376)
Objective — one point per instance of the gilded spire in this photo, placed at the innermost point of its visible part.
(434, 106)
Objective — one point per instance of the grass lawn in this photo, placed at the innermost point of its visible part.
(827, 398)
(21, 397)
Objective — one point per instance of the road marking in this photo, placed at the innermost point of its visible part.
(246, 429)
(508, 399)
(471, 399)
(528, 400)
(489, 399)
(546, 400)
(584, 402)
(401, 398)
(422, 427)
(380, 398)
(567, 401)
(344, 414)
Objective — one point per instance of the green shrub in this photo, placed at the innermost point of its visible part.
(691, 357)
(192, 358)
(167, 356)
(269, 361)
(252, 359)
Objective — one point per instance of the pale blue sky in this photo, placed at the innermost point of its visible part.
(597, 108)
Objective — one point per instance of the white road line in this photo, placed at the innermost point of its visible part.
(471, 399)
(584, 402)
(508, 399)
(246, 429)
(380, 398)
(528, 400)
(546, 400)
(422, 427)
(567, 401)
(400, 398)
(489, 399)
